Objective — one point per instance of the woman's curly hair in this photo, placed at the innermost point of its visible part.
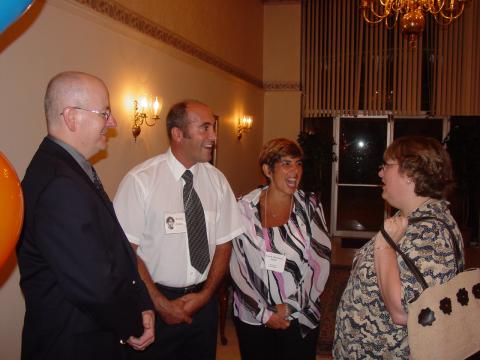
(425, 162)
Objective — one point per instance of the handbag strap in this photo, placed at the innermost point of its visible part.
(408, 261)
(412, 267)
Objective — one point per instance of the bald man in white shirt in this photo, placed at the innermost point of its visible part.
(151, 194)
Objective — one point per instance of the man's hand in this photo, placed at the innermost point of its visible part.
(194, 302)
(148, 335)
(278, 320)
(172, 311)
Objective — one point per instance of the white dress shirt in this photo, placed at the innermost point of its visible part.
(154, 189)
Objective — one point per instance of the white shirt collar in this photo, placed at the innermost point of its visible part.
(177, 167)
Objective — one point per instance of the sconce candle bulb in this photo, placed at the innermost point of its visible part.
(140, 114)
(245, 123)
(143, 105)
(156, 106)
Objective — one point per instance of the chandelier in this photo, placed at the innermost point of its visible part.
(411, 13)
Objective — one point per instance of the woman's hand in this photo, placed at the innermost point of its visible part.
(278, 320)
(395, 227)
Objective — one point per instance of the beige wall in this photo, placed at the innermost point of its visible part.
(60, 35)
(227, 28)
(282, 115)
(281, 69)
(281, 35)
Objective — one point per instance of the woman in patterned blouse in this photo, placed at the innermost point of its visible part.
(372, 314)
(281, 263)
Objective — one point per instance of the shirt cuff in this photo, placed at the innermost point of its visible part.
(264, 315)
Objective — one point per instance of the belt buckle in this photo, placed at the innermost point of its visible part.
(189, 289)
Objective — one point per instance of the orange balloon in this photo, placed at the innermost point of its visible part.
(11, 208)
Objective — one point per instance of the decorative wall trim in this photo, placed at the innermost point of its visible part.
(130, 18)
(276, 2)
(281, 86)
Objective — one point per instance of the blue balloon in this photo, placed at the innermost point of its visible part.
(11, 10)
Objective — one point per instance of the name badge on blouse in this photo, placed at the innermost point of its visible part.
(275, 262)
(175, 223)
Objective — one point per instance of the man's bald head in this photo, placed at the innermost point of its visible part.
(67, 89)
(77, 108)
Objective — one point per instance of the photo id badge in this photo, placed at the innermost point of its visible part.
(175, 223)
(275, 262)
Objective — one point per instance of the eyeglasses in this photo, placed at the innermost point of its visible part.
(384, 165)
(106, 114)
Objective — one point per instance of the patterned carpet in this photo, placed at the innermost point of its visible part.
(329, 301)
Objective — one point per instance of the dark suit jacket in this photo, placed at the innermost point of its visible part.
(78, 272)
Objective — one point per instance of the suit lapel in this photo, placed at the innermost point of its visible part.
(58, 152)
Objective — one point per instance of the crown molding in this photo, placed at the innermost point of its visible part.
(281, 2)
(281, 86)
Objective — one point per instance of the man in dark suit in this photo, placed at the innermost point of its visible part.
(84, 297)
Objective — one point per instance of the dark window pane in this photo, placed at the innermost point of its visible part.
(463, 145)
(359, 208)
(317, 142)
(425, 127)
(362, 143)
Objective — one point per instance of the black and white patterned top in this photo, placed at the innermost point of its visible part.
(305, 243)
(364, 328)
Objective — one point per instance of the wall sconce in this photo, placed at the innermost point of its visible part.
(245, 123)
(140, 116)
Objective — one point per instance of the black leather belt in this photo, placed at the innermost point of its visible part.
(182, 290)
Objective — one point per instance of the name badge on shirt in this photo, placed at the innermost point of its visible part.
(175, 223)
(275, 262)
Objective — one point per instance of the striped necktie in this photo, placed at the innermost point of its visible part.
(196, 227)
(98, 184)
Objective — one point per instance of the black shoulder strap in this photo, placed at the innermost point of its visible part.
(408, 261)
(414, 269)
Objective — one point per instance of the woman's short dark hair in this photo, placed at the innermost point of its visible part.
(275, 149)
(426, 162)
